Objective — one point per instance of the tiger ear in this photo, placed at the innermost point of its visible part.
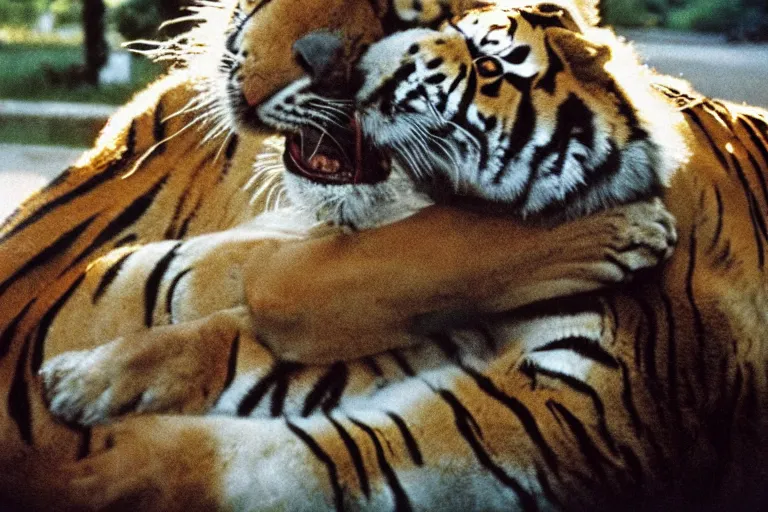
(585, 59)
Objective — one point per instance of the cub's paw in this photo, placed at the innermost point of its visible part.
(644, 236)
(172, 369)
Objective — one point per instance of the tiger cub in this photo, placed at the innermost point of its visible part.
(522, 110)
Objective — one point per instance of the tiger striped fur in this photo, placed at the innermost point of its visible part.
(652, 395)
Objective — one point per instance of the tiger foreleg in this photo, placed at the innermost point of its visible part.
(374, 291)
(178, 368)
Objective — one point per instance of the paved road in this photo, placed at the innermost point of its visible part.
(736, 72)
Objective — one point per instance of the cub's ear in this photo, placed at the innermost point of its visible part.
(585, 59)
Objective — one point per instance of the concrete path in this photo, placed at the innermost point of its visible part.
(13, 108)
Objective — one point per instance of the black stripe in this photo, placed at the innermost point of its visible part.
(694, 116)
(470, 431)
(489, 341)
(127, 218)
(84, 447)
(519, 136)
(589, 450)
(449, 349)
(402, 363)
(232, 38)
(256, 394)
(280, 372)
(410, 441)
(386, 92)
(282, 384)
(19, 408)
(584, 347)
(172, 292)
(538, 18)
(627, 398)
(355, 455)
(327, 391)
(632, 464)
(698, 323)
(234, 351)
(402, 503)
(758, 140)
(185, 225)
(649, 347)
(443, 103)
(719, 227)
(554, 67)
(759, 174)
(594, 178)
(436, 79)
(375, 8)
(154, 280)
(671, 357)
(59, 180)
(9, 334)
(60, 246)
(585, 389)
(108, 174)
(231, 148)
(159, 128)
(170, 233)
(521, 411)
(373, 366)
(126, 240)
(109, 276)
(758, 222)
(45, 323)
(322, 456)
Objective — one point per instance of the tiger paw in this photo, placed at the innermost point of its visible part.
(170, 369)
(643, 235)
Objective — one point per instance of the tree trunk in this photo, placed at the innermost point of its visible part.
(96, 48)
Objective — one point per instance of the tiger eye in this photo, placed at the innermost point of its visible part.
(488, 67)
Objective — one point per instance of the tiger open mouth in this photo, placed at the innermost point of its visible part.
(338, 155)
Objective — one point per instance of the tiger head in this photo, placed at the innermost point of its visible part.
(242, 51)
(526, 105)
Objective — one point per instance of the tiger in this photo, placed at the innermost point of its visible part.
(164, 180)
(89, 386)
(650, 395)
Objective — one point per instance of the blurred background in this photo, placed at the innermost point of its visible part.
(63, 70)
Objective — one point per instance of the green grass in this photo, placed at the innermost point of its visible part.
(21, 75)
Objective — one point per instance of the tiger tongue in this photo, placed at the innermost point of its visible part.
(324, 164)
(325, 152)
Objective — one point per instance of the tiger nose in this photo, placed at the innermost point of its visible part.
(318, 52)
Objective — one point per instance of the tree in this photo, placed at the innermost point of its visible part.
(96, 48)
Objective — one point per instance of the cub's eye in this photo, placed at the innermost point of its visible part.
(488, 67)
